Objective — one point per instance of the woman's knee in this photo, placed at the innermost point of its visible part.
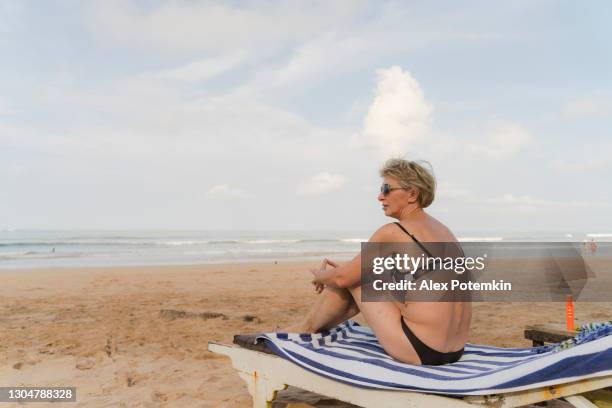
(339, 292)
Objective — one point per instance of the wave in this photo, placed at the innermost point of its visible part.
(11, 256)
(480, 239)
(104, 243)
(180, 243)
(294, 241)
(174, 242)
(600, 235)
(99, 243)
(270, 241)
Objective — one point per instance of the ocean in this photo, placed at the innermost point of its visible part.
(38, 248)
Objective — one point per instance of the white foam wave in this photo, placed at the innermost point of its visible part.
(11, 254)
(180, 243)
(205, 253)
(480, 239)
(602, 235)
(354, 240)
(271, 241)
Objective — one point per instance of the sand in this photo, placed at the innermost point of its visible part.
(137, 336)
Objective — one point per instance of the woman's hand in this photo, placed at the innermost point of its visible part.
(328, 262)
(319, 286)
(315, 281)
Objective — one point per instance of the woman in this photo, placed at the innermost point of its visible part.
(429, 333)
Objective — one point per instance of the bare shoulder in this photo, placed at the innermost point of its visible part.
(432, 230)
(386, 233)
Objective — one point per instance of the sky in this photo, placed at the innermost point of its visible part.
(270, 115)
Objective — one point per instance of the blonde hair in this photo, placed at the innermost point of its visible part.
(413, 174)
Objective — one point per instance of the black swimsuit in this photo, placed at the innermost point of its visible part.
(427, 355)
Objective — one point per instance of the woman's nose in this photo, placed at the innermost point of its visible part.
(381, 196)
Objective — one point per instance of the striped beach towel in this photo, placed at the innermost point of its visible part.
(351, 354)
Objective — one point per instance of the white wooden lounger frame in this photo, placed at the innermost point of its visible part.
(266, 374)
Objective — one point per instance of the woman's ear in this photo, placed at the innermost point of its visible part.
(413, 195)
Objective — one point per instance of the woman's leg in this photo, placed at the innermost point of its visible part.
(384, 318)
(335, 305)
(332, 307)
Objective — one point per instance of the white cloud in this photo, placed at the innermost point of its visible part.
(203, 69)
(523, 203)
(527, 203)
(13, 169)
(398, 117)
(179, 27)
(4, 108)
(512, 205)
(450, 192)
(225, 191)
(587, 107)
(144, 118)
(588, 164)
(323, 55)
(502, 139)
(11, 12)
(321, 183)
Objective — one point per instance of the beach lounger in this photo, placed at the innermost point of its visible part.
(540, 334)
(348, 364)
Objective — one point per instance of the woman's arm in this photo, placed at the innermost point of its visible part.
(340, 276)
(349, 273)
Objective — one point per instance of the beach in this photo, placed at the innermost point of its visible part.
(137, 336)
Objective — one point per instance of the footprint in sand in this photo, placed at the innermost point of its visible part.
(22, 364)
(212, 379)
(133, 378)
(159, 396)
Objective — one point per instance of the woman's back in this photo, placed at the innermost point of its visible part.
(443, 326)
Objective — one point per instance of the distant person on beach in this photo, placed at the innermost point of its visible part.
(429, 333)
(590, 246)
(593, 246)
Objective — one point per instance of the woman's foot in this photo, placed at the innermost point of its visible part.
(295, 328)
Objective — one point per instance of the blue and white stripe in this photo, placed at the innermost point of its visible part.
(350, 353)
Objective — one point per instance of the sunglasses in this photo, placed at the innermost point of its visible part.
(385, 189)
